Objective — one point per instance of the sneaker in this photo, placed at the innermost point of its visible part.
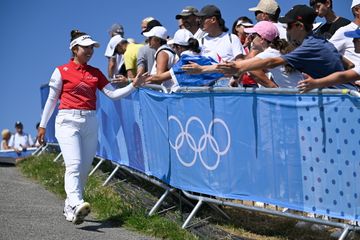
(81, 211)
(68, 213)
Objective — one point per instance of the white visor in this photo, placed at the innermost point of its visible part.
(85, 41)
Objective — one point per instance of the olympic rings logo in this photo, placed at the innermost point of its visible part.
(199, 147)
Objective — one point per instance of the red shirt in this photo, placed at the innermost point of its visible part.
(79, 86)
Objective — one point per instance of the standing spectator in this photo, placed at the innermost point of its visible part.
(20, 140)
(129, 52)
(188, 50)
(146, 54)
(115, 62)
(6, 135)
(145, 22)
(324, 8)
(269, 10)
(226, 45)
(76, 123)
(164, 55)
(190, 21)
(238, 28)
(345, 45)
(337, 77)
(315, 56)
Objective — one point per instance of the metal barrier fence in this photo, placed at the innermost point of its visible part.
(268, 145)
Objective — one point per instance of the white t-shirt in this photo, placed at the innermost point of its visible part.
(119, 58)
(21, 141)
(345, 45)
(227, 46)
(282, 30)
(280, 76)
(199, 34)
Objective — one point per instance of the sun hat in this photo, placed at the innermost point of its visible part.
(354, 3)
(158, 31)
(245, 24)
(181, 37)
(114, 41)
(84, 40)
(266, 6)
(265, 29)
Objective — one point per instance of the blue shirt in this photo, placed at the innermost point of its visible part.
(318, 58)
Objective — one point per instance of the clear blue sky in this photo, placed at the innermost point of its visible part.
(35, 39)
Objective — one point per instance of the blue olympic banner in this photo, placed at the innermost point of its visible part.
(295, 151)
(50, 128)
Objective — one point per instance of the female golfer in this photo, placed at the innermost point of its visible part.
(75, 84)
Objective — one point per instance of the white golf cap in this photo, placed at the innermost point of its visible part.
(114, 41)
(355, 3)
(84, 40)
(158, 31)
(181, 37)
(245, 24)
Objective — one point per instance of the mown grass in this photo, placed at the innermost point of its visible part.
(106, 202)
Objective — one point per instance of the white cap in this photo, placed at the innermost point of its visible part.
(355, 3)
(245, 24)
(181, 37)
(158, 31)
(114, 41)
(84, 40)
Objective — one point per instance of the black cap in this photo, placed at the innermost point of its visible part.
(151, 24)
(209, 11)
(299, 13)
(18, 124)
(187, 11)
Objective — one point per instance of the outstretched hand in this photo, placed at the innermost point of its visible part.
(227, 68)
(192, 68)
(307, 84)
(139, 81)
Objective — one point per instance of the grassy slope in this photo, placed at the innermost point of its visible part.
(107, 204)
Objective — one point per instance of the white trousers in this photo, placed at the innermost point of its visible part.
(76, 132)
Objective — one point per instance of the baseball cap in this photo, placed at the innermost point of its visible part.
(150, 25)
(265, 29)
(84, 40)
(114, 41)
(18, 124)
(116, 29)
(209, 11)
(181, 37)
(355, 3)
(266, 6)
(187, 11)
(158, 31)
(301, 13)
(245, 24)
(353, 34)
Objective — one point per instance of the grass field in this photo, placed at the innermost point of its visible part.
(127, 204)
